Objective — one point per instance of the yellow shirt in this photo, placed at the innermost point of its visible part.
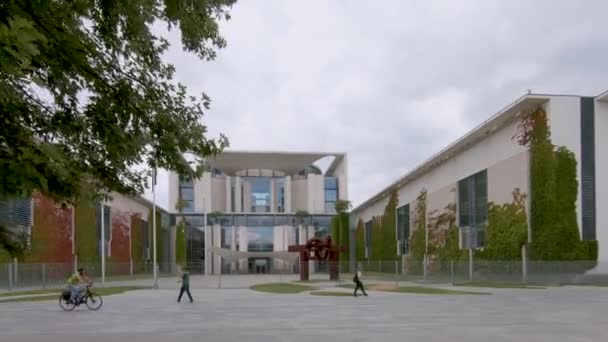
(74, 279)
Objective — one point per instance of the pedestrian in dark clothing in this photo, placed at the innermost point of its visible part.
(185, 280)
(358, 283)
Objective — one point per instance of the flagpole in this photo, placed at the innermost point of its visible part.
(103, 245)
(154, 228)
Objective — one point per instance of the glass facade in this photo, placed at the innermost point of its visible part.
(260, 230)
(280, 194)
(107, 223)
(186, 195)
(403, 229)
(331, 194)
(473, 208)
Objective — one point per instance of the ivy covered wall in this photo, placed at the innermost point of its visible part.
(85, 230)
(554, 190)
(51, 239)
(360, 241)
(137, 243)
(180, 244)
(340, 233)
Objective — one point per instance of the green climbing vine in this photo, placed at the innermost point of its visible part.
(507, 229)
(340, 232)
(418, 236)
(554, 189)
(360, 241)
(85, 231)
(180, 243)
(443, 236)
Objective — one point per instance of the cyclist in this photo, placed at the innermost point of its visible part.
(77, 283)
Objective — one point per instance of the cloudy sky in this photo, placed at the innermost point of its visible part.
(388, 82)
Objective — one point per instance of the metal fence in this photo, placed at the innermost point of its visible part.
(235, 275)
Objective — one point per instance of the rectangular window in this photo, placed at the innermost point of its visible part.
(106, 229)
(16, 212)
(403, 228)
(473, 208)
(186, 195)
(331, 194)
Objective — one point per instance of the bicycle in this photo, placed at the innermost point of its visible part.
(92, 300)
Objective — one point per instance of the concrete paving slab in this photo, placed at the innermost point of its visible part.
(556, 314)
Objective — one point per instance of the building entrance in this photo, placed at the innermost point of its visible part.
(259, 265)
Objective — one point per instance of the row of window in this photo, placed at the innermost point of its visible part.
(260, 194)
(472, 215)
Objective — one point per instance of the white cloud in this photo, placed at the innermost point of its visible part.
(388, 83)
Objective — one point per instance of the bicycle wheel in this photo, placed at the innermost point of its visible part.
(93, 301)
(66, 305)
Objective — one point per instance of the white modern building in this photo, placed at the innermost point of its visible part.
(243, 214)
(487, 164)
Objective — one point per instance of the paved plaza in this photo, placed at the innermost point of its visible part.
(556, 314)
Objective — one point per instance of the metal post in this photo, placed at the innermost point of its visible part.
(424, 266)
(43, 276)
(10, 276)
(154, 231)
(103, 245)
(470, 264)
(452, 272)
(524, 264)
(15, 271)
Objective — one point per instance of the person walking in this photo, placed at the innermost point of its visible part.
(185, 280)
(358, 283)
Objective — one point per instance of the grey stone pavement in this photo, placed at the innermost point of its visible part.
(557, 314)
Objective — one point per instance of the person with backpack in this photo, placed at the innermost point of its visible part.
(358, 283)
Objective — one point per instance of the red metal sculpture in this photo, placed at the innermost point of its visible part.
(317, 249)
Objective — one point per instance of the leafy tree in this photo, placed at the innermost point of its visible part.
(342, 206)
(85, 95)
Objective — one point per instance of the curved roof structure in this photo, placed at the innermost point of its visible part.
(289, 162)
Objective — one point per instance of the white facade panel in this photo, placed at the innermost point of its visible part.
(564, 114)
(218, 190)
(507, 175)
(173, 191)
(287, 194)
(228, 194)
(299, 195)
(316, 194)
(601, 178)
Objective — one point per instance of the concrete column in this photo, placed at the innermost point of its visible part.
(208, 233)
(287, 194)
(217, 242)
(243, 247)
(238, 208)
(278, 245)
(273, 197)
(303, 234)
(310, 235)
(202, 193)
(246, 197)
(233, 246)
(229, 194)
